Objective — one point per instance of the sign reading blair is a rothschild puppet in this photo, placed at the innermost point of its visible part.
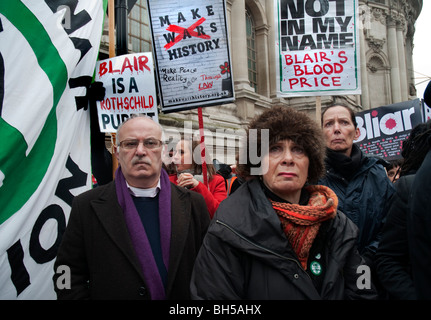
(191, 53)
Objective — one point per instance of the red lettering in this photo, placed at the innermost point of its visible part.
(323, 83)
(307, 58)
(336, 81)
(113, 103)
(304, 82)
(293, 82)
(110, 70)
(126, 64)
(298, 70)
(315, 81)
(102, 69)
(317, 69)
(137, 102)
(126, 103)
(119, 103)
(342, 56)
(139, 64)
(143, 60)
(288, 59)
(323, 56)
(338, 68)
(327, 68)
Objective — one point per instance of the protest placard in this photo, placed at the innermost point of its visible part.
(191, 53)
(383, 129)
(427, 112)
(130, 89)
(317, 47)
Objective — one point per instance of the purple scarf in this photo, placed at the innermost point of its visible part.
(139, 237)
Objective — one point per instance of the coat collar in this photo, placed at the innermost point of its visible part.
(111, 217)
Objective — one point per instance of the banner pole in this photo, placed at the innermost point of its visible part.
(202, 146)
(111, 11)
(318, 108)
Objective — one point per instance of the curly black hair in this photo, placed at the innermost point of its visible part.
(415, 148)
(284, 123)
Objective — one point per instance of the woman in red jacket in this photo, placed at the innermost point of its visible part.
(189, 175)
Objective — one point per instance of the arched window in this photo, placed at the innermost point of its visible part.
(251, 50)
(378, 80)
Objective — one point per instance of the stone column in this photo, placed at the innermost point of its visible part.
(402, 61)
(262, 60)
(365, 95)
(239, 45)
(271, 47)
(393, 60)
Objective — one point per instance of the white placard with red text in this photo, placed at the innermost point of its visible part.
(317, 48)
(130, 89)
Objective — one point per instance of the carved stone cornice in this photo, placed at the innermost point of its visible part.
(392, 19)
(376, 44)
(379, 15)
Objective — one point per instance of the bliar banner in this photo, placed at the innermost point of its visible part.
(48, 53)
(383, 129)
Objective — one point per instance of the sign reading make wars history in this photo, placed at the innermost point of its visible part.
(317, 47)
(191, 52)
(383, 129)
(130, 89)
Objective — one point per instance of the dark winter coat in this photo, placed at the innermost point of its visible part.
(419, 224)
(246, 255)
(362, 198)
(99, 251)
(392, 257)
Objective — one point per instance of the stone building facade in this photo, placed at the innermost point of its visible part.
(386, 61)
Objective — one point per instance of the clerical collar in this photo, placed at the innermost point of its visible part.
(145, 193)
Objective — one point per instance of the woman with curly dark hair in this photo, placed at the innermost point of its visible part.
(280, 236)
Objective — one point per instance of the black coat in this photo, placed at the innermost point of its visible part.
(392, 257)
(363, 198)
(246, 255)
(98, 249)
(419, 222)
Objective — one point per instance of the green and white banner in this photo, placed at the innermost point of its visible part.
(48, 52)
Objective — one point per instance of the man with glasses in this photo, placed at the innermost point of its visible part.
(136, 237)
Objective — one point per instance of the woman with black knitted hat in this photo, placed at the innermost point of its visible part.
(279, 235)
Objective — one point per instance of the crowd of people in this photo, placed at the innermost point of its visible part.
(315, 218)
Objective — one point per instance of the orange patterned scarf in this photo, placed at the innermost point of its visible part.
(301, 223)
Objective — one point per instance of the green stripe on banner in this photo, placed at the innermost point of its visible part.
(23, 174)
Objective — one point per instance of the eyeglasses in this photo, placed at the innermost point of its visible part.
(134, 143)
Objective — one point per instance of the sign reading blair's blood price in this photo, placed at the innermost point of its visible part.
(130, 89)
(317, 47)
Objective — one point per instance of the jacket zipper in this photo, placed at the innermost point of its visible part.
(261, 247)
